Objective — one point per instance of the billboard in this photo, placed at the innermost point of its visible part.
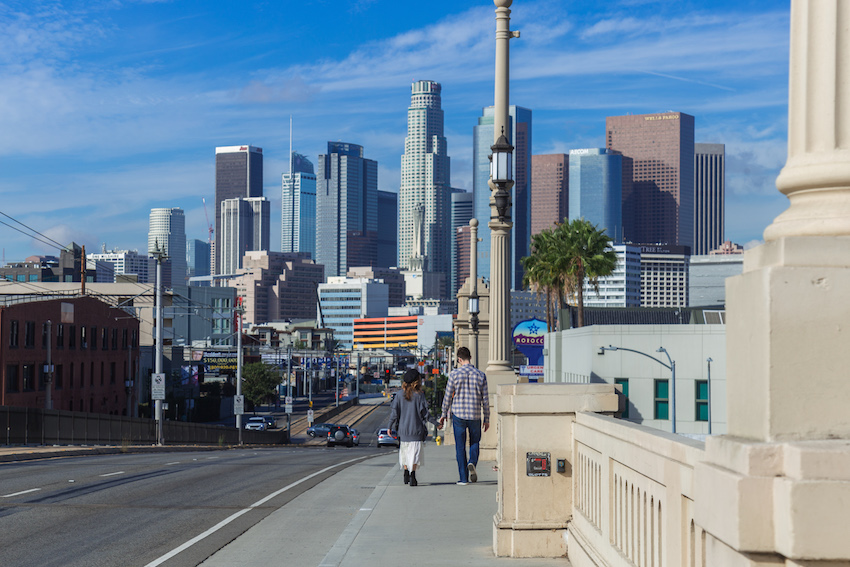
(528, 338)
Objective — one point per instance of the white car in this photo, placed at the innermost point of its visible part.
(256, 423)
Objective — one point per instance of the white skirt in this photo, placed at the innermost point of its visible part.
(411, 453)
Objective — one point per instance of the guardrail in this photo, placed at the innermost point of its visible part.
(34, 426)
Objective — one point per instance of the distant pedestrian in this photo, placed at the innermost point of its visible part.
(467, 399)
(408, 417)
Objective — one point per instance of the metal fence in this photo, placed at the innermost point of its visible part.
(34, 426)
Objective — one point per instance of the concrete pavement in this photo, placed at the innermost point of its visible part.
(365, 516)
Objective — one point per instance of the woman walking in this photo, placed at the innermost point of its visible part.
(408, 416)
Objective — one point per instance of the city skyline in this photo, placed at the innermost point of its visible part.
(131, 99)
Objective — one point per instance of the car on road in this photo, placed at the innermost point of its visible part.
(256, 423)
(340, 435)
(388, 437)
(271, 422)
(355, 435)
(320, 429)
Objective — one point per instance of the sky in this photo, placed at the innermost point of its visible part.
(109, 108)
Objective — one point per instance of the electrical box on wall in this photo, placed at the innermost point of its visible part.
(538, 464)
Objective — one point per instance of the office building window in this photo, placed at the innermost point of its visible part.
(28, 375)
(60, 336)
(662, 399)
(93, 338)
(84, 343)
(29, 334)
(624, 382)
(701, 394)
(13, 334)
(12, 378)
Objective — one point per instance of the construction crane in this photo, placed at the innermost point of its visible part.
(209, 226)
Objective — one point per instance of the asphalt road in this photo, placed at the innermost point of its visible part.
(149, 509)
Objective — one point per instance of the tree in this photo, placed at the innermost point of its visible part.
(567, 257)
(260, 382)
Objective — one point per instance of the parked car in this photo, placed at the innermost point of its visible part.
(256, 423)
(271, 422)
(388, 437)
(355, 435)
(340, 435)
(319, 429)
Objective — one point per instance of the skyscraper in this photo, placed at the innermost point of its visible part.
(461, 213)
(298, 207)
(198, 258)
(387, 229)
(596, 184)
(710, 199)
(519, 136)
(346, 209)
(425, 181)
(167, 233)
(660, 201)
(550, 186)
(238, 174)
(244, 227)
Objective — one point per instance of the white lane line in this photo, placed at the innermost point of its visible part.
(236, 515)
(174, 463)
(21, 492)
(113, 473)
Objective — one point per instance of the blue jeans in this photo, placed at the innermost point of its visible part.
(459, 427)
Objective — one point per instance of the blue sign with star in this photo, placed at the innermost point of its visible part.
(528, 337)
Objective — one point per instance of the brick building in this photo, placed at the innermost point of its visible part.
(93, 347)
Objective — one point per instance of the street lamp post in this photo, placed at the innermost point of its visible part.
(671, 366)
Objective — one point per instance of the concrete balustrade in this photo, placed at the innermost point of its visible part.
(633, 496)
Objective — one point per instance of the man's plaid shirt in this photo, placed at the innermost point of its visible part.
(466, 394)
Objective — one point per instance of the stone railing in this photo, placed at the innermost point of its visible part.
(633, 496)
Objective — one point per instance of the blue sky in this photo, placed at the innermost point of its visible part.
(109, 108)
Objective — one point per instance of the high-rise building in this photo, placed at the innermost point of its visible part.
(198, 257)
(244, 227)
(345, 299)
(550, 185)
(276, 286)
(128, 262)
(167, 234)
(390, 276)
(596, 184)
(238, 175)
(622, 287)
(519, 136)
(425, 182)
(298, 207)
(461, 214)
(710, 197)
(462, 252)
(664, 276)
(346, 209)
(387, 229)
(660, 200)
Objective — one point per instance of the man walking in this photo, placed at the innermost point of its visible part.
(466, 397)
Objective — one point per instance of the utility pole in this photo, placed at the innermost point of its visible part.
(158, 254)
(239, 365)
(48, 370)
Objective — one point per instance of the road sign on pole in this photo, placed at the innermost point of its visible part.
(238, 405)
(157, 386)
(310, 416)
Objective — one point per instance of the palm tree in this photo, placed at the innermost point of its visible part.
(539, 272)
(568, 256)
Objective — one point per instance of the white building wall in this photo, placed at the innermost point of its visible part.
(573, 356)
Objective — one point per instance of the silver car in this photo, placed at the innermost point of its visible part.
(388, 437)
(256, 423)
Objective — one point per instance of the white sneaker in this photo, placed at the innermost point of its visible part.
(473, 476)
(461, 483)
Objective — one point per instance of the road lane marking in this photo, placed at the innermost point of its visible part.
(174, 463)
(21, 492)
(236, 515)
(113, 473)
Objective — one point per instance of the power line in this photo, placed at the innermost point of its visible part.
(43, 236)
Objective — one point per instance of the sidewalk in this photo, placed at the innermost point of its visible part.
(365, 516)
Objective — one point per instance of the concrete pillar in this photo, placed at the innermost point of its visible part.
(774, 491)
(533, 511)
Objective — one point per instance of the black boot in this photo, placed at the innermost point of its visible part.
(413, 479)
(406, 476)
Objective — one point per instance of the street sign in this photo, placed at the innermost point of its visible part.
(238, 405)
(158, 386)
(310, 416)
(288, 400)
(287, 408)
